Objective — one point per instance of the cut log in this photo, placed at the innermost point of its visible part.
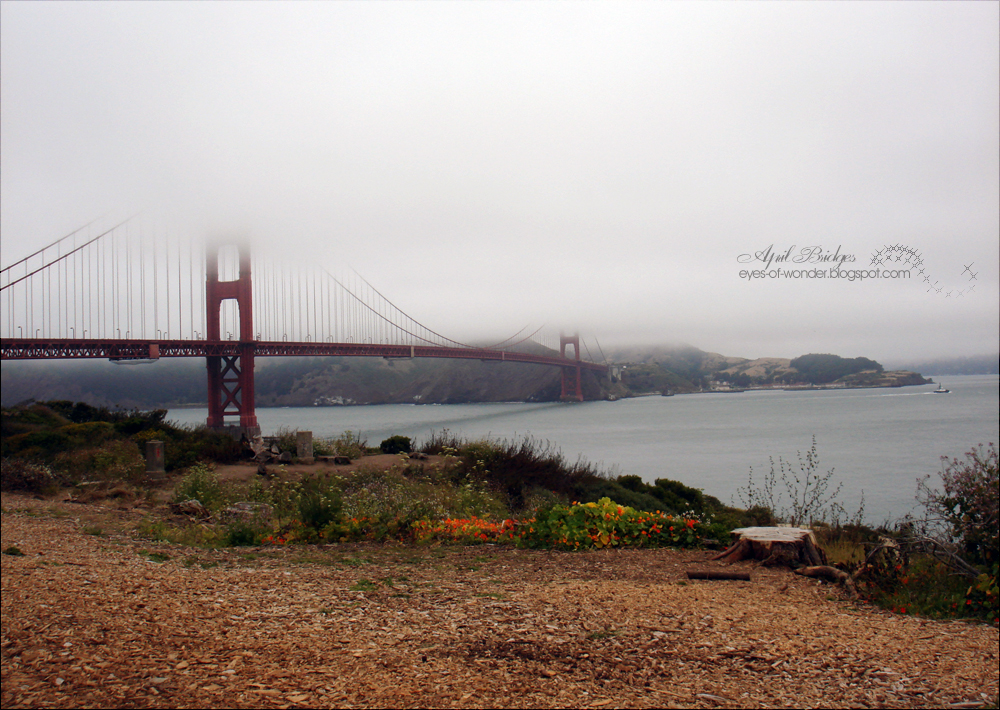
(790, 547)
(718, 574)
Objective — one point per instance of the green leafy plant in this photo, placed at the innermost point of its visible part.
(349, 444)
(396, 444)
(119, 460)
(192, 535)
(364, 585)
(202, 484)
(319, 503)
(605, 524)
(244, 532)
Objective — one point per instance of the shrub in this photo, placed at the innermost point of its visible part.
(514, 468)
(601, 488)
(319, 503)
(810, 500)
(88, 433)
(925, 586)
(37, 444)
(605, 524)
(186, 446)
(945, 563)
(133, 421)
(192, 535)
(285, 439)
(119, 461)
(968, 507)
(349, 444)
(27, 476)
(244, 533)
(395, 445)
(379, 504)
(201, 484)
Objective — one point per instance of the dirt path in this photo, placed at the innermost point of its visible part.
(94, 617)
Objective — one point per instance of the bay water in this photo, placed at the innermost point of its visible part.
(878, 442)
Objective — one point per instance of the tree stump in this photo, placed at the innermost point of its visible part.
(790, 547)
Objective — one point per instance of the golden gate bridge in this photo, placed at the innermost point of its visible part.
(128, 294)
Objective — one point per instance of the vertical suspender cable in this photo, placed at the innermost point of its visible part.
(191, 282)
(128, 281)
(59, 304)
(98, 289)
(156, 291)
(76, 289)
(166, 281)
(115, 310)
(44, 302)
(180, 298)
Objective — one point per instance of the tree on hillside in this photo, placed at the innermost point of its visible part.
(820, 369)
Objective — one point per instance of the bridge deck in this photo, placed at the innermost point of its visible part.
(59, 349)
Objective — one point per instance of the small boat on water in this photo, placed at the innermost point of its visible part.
(941, 389)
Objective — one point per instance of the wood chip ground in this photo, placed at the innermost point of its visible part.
(100, 618)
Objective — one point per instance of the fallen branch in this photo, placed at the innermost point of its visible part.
(941, 551)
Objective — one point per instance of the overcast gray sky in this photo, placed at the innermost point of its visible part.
(593, 166)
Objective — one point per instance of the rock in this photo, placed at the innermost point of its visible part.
(192, 508)
(285, 457)
(419, 455)
(262, 469)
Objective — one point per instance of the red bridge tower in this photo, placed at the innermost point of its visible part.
(230, 379)
(572, 387)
